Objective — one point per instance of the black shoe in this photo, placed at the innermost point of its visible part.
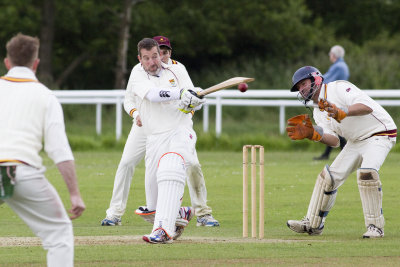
(322, 157)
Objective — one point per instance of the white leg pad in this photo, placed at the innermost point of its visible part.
(171, 177)
(322, 199)
(370, 188)
(171, 167)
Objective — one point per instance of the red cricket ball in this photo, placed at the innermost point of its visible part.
(243, 87)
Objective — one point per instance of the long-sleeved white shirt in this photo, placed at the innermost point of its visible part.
(157, 117)
(30, 114)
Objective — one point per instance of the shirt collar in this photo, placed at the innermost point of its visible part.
(21, 72)
(338, 60)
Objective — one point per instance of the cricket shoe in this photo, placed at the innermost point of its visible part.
(114, 221)
(146, 214)
(207, 220)
(303, 226)
(184, 216)
(158, 236)
(373, 232)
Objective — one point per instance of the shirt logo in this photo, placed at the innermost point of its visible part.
(164, 94)
(172, 82)
(348, 89)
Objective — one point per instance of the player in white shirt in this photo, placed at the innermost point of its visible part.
(29, 115)
(166, 100)
(345, 110)
(196, 182)
(134, 152)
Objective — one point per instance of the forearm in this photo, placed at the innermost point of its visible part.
(330, 140)
(67, 170)
(358, 109)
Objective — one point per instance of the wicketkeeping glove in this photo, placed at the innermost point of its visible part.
(333, 111)
(300, 127)
(189, 101)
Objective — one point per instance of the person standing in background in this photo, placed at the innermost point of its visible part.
(337, 71)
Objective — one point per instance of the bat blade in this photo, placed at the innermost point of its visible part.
(225, 84)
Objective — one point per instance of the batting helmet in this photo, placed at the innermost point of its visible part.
(306, 72)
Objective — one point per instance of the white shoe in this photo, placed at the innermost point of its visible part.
(207, 220)
(373, 232)
(184, 216)
(114, 221)
(303, 226)
(158, 236)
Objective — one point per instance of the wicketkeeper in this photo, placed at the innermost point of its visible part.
(345, 110)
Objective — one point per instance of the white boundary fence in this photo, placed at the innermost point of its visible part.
(98, 98)
(265, 98)
(274, 98)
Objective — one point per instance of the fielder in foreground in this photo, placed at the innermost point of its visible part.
(345, 110)
(30, 113)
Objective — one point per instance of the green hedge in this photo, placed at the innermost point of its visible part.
(208, 142)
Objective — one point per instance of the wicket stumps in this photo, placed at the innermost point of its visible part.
(253, 149)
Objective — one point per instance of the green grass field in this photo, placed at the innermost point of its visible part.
(289, 180)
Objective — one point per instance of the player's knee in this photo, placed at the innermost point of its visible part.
(368, 177)
(367, 174)
(171, 167)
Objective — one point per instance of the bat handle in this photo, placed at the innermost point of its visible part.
(197, 94)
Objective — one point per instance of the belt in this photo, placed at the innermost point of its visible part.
(390, 133)
(10, 161)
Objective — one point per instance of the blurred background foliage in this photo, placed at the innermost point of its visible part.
(215, 40)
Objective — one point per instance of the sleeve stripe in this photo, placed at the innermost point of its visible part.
(131, 112)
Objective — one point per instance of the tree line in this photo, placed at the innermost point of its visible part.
(87, 44)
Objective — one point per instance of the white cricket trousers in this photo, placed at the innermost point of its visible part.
(197, 188)
(181, 141)
(134, 151)
(369, 153)
(37, 203)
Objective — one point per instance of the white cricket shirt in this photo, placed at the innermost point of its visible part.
(354, 128)
(158, 117)
(29, 115)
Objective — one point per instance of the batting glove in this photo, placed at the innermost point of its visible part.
(197, 90)
(189, 101)
(300, 127)
(333, 111)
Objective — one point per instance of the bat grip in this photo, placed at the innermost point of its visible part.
(196, 94)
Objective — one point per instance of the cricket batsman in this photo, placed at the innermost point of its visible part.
(343, 109)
